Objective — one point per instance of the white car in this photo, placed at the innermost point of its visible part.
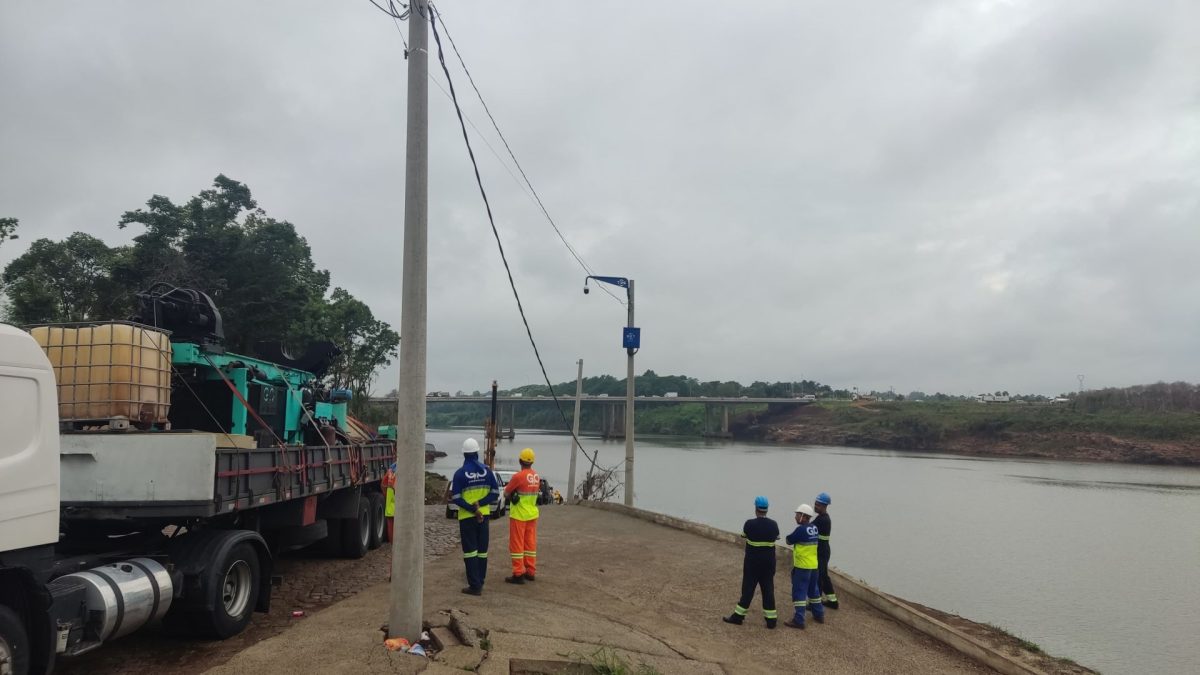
(498, 509)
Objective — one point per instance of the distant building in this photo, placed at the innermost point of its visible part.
(992, 398)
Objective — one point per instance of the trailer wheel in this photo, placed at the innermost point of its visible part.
(356, 532)
(14, 644)
(378, 520)
(233, 591)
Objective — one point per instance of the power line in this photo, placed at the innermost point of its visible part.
(527, 185)
(438, 15)
(496, 233)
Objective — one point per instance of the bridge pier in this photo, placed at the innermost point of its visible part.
(724, 432)
(614, 427)
(512, 414)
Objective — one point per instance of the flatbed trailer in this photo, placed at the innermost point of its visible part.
(172, 475)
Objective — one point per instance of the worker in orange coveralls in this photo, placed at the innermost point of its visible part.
(522, 495)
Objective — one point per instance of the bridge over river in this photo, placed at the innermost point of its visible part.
(612, 419)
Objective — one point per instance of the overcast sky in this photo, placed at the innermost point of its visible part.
(939, 195)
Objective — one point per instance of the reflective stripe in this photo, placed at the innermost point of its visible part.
(799, 603)
(483, 555)
(739, 610)
(832, 597)
(823, 537)
(531, 554)
(515, 556)
(760, 543)
(471, 554)
(389, 503)
(814, 601)
(770, 614)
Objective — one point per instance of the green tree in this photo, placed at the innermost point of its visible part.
(258, 270)
(61, 281)
(367, 344)
(8, 229)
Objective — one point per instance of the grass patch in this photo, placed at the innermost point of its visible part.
(1027, 645)
(605, 661)
(922, 424)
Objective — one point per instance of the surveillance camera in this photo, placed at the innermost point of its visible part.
(585, 290)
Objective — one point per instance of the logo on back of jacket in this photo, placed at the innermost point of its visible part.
(474, 476)
(532, 478)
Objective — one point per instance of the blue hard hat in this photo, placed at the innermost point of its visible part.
(823, 498)
(760, 503)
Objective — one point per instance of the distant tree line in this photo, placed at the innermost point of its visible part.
(650, 383)
(258, 270)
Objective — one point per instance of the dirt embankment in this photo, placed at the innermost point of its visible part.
(817, 425)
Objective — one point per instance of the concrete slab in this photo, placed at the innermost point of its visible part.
(605, 579)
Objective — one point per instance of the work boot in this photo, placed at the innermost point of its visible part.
(818, 619)
(529, 577)
(792, 624)
(771, 624)
(470, 590)
(514, 580)
(830, 604)
(735, 619)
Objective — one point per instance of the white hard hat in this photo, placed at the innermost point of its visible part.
(806, 510)
(470, 446)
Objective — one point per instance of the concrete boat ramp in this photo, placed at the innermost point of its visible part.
(613, 584)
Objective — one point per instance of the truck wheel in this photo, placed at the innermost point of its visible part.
(378, 520)
(232, 590)
(14, 644)
(356, 532)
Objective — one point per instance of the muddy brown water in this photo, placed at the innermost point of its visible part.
(1096, 562)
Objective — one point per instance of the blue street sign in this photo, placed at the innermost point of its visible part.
(632, 338)
(615, 281)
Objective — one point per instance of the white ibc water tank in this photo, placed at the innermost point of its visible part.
(124, 596)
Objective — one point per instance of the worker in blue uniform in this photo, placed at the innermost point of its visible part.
(474, 489)
(824, 527)
(758, 566)
(805, 590)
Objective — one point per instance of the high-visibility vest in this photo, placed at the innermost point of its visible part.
(389, 494)
(527, 484)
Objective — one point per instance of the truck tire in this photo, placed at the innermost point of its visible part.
(356, 532)
(14, 643)
(375, 504)
(232, 591)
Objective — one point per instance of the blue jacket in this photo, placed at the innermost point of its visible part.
(474, 483)
(804, 546)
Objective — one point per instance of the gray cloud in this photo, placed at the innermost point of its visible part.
(935, 195)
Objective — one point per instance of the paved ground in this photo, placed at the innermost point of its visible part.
(651, 594)
(310, 582)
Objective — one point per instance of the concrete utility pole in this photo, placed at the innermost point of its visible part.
(408, 549)
(629, 409)
(575, 431)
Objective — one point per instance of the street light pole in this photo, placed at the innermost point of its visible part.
(408, 547)
(629, 408)
(632, 342)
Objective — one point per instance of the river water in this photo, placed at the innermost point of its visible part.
(1096, 562)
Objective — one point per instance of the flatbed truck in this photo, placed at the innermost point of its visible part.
(105, 531)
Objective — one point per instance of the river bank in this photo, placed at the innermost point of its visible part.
(981, 430)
